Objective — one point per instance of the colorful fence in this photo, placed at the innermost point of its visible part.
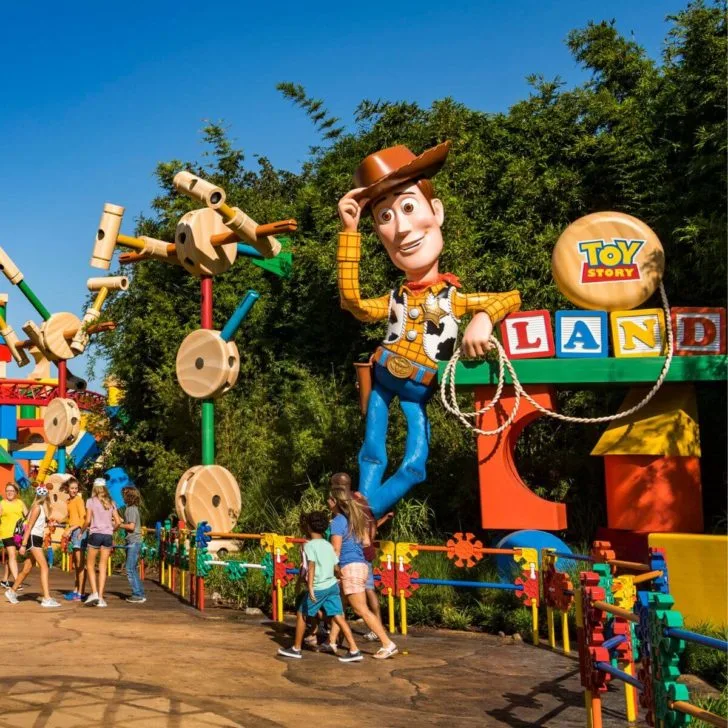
(636, 637)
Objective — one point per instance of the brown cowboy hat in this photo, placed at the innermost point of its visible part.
(388, 168)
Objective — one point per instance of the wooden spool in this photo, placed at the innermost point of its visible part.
(208, 493)
(194, 246)
(57, 501)
(608, 261)
(61, 422)
(207, 366)
(52, 331)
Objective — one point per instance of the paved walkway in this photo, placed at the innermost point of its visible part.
(161, 664)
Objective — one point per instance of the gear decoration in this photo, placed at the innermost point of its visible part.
(602, 551)
(557, 584)
(267, 563)
(527, 560)
(386, 579)
(642, 628)
(657, 562)
(464, 549)
(405, 552)
(202, 537)
(646, 697)
(273, 542)
(530, 591)
(203, 562)
(404, 576)
(385, 552)
(235, 570)
(664, 692)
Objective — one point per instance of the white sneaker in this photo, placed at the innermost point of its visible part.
(50, 602)
(101, 603)
(91, 598)
(11, 596)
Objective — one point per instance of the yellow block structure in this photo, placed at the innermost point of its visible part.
(666, 426)
(698, 573)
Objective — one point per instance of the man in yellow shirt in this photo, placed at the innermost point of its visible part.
(423, 313)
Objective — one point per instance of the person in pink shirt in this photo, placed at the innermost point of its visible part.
(102, 519)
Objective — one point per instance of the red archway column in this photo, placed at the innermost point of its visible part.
(506, 502)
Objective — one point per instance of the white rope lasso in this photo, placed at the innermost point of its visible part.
(448, 394)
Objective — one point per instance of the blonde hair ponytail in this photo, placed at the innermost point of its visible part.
(353, 512)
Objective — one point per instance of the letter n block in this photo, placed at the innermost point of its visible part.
(638, 333)
(527, 335)
(698, 331)
(582, 334)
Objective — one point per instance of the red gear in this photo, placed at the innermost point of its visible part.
(404, 580)
(387, 580)
(280, 565)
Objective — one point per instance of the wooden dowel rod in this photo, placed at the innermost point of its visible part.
(647, 576)
(633, 565)
(617, 611)
(689, 709)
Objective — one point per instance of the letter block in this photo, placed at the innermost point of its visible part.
(638, 333)
(527, 335)
(582, 334)
(699, 330)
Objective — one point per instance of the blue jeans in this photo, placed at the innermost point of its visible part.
(132, 573)
(413, 398)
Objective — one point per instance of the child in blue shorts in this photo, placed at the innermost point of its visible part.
(323, 588)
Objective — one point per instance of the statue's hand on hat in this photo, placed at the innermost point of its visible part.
(350, 210)
(476, 339)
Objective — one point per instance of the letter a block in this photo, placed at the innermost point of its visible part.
(638, 333)
(582, 334)
(527, 335)
(699, 331)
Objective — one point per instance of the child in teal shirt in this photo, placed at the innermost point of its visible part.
(323, 588)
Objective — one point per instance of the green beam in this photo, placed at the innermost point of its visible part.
(208, 432)
(642, 370)
(34, 300)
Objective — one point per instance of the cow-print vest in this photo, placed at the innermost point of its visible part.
(439, 340)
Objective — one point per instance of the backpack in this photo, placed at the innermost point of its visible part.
(19, 531)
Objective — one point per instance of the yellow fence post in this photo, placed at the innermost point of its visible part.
(390, 609)
(550, 623)
(565, 632)
(402, 612)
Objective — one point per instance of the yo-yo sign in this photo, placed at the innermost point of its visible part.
(608, 261)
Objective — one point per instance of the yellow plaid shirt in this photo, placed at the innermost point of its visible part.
(496, 305)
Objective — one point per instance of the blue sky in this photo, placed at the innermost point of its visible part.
(93, 97)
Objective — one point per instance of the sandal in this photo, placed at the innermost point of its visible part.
(384, 652)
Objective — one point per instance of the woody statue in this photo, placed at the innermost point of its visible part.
(423, 314)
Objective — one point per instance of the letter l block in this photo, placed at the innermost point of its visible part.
(527, 335)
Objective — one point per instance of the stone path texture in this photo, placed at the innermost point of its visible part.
(163, 664)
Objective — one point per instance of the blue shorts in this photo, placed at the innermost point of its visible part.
(329, 600)
(370, 577)
(78, 539)
(101, 540)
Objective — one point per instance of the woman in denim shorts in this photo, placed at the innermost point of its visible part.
(102, 519)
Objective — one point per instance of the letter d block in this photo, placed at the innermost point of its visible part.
(527, 335)
(638, 333)
(699, 331)
(582, 334)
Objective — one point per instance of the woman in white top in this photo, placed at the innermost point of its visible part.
(33, 542)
